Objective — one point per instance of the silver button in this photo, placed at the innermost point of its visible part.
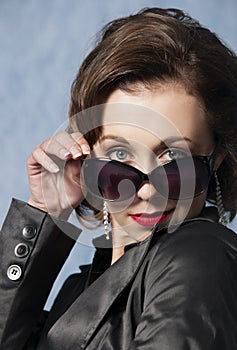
(29, 232)
(14, 272)
(21, 250)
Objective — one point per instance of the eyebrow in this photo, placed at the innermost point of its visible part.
(114, 137)
(162, 145)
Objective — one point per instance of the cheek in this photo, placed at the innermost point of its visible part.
(189, 209)
(118, 213)
(120, 209)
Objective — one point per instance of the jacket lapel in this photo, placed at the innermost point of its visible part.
(79, 322)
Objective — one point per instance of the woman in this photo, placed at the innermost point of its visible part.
(152, 137)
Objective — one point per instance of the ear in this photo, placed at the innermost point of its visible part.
(219, 159)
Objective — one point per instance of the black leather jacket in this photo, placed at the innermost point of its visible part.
(173, 291)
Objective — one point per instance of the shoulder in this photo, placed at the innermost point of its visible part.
(198, 250)
(194, 236)
(189, 286)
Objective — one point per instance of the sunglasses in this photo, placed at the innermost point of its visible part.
(116, 181)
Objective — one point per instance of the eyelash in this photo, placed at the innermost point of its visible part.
(174, 150)
(119, 149)
(130, 157)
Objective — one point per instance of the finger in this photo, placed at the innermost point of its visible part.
(71, 143)
(82, 142)
(73, 168)
(53, 147)
(39, 157)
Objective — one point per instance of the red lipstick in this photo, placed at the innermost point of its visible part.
(144, 219)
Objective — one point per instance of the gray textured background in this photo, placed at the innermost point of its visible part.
(42, 44)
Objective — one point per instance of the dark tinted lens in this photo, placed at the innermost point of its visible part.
(90, 170)
(111, 180)
(116, 181)
(193, 171)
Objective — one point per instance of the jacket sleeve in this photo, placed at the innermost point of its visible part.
(190, 292)
(33, 248)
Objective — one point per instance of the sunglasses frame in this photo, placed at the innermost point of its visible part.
(207, 160)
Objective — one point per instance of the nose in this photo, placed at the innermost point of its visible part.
(146, 191)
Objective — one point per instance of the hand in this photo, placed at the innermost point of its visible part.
(54, 173)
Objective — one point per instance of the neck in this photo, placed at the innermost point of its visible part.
(120, 239)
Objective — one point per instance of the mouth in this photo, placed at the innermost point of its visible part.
(151, 219)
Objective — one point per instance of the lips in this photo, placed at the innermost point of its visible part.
(145, 219)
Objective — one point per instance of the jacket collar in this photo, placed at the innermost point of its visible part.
(210, 213)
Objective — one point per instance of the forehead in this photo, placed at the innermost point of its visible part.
(155, 115)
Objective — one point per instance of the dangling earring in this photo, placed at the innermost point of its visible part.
(106, 220)
(220, 207)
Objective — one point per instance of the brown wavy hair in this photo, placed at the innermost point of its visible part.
(165, 46)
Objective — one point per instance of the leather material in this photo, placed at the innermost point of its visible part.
(173, 291)
(22, 301)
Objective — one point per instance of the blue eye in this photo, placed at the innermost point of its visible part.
(176, 154)
(173, 154)
(121, 154)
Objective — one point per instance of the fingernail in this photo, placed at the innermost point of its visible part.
(64, 153)
(75, 152)
(54, 168)
(85, 149)
(77, 155)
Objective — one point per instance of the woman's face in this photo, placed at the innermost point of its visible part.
(146, 129)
